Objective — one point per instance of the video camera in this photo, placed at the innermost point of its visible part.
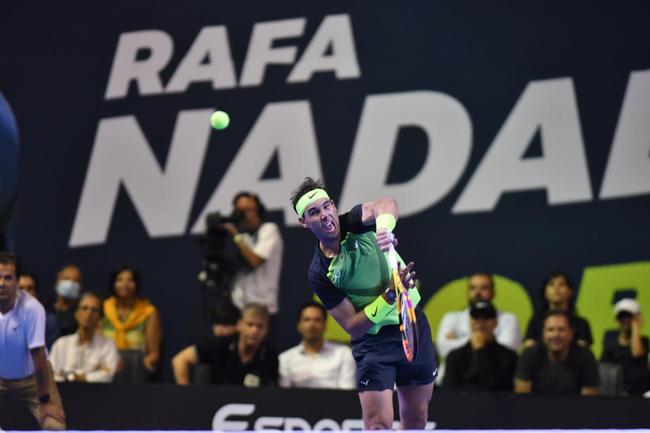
(221, 257)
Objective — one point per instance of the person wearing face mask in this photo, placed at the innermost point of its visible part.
(68, 288)
(131, 321)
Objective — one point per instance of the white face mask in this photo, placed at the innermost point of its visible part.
(68, 289)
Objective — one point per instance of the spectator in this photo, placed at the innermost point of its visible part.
(556, 365)
(28, 282)
(243, 359)
(132, 322)
(454, 330)
(25, 374)
(628, 348)
(224, 319)
(260, 244)
(68, 287)
(86, 356)
(558, 295)
(481, 364)
(316, 363)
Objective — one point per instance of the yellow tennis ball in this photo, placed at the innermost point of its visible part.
(219, 120)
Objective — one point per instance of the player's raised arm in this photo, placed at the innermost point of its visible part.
(372, 211)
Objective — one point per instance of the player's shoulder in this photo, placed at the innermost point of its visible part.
(318, 265)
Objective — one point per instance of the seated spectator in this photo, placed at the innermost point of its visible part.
(557, 294)
(316, 363)
(85, 356)
(131, 321)
(454, 330)
(68, 287)
(556, 365)
(481, 364)
(29, 283)
(243, 359)
(628, 348)
(224, 319)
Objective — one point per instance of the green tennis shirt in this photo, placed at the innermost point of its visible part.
(359, 272)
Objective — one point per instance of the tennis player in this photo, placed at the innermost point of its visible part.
(350, 275)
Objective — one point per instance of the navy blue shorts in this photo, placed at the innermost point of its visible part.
(381, 362)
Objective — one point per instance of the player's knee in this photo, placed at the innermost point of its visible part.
(50, 423)
(378, 421)
(414, 419)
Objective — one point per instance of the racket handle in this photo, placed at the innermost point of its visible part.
(391, 258)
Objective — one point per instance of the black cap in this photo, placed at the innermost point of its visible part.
(482, 310)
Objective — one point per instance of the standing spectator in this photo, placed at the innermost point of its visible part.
(260, 244)
(454, 330)
(68, 287)
(243, 359)
(628, 348)
(25, 374)
(86, 356)
(557, 294)
(557, 366)
(481, 364)
(316, 363)
(132, 322)
(29, 283)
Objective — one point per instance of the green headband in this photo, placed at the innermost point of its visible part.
(308, 198)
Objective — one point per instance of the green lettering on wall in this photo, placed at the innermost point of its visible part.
(597, 289)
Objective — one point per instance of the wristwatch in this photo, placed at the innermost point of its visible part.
(389, 296)
(45, 398)
(70, 377)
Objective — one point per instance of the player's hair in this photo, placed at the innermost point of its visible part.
(261, 209)
(307, 185)
(8, 258)
(225, 313)
(312, 304)
(124, 268)
(257, 309)
(483, 274)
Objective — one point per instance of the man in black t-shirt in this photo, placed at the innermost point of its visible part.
(482, 364)
(557, 366)
(243, 359)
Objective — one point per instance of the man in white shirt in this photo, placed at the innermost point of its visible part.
(25, 375)
(260, 245)
(85, 356)
(454, 330)
(316, 363)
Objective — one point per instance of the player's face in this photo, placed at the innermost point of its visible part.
(248, 207)
(479, 288)
(312, 324)
(252, 328)
(8, 283)
(88, 312)
(322, 218)
(27, 284)
(125, 285)
(557, 333)
(558, 290)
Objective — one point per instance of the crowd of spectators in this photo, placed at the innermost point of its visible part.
(92, 339)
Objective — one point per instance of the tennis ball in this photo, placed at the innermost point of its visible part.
(219, 120)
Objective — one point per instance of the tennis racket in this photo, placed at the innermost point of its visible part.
(407, 321)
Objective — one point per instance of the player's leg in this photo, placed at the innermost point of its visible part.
(414, 406)
(377, 409)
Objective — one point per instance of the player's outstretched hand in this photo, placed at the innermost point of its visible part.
(407, 275)
(385, 240)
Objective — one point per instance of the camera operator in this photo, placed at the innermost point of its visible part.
(260, 245)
